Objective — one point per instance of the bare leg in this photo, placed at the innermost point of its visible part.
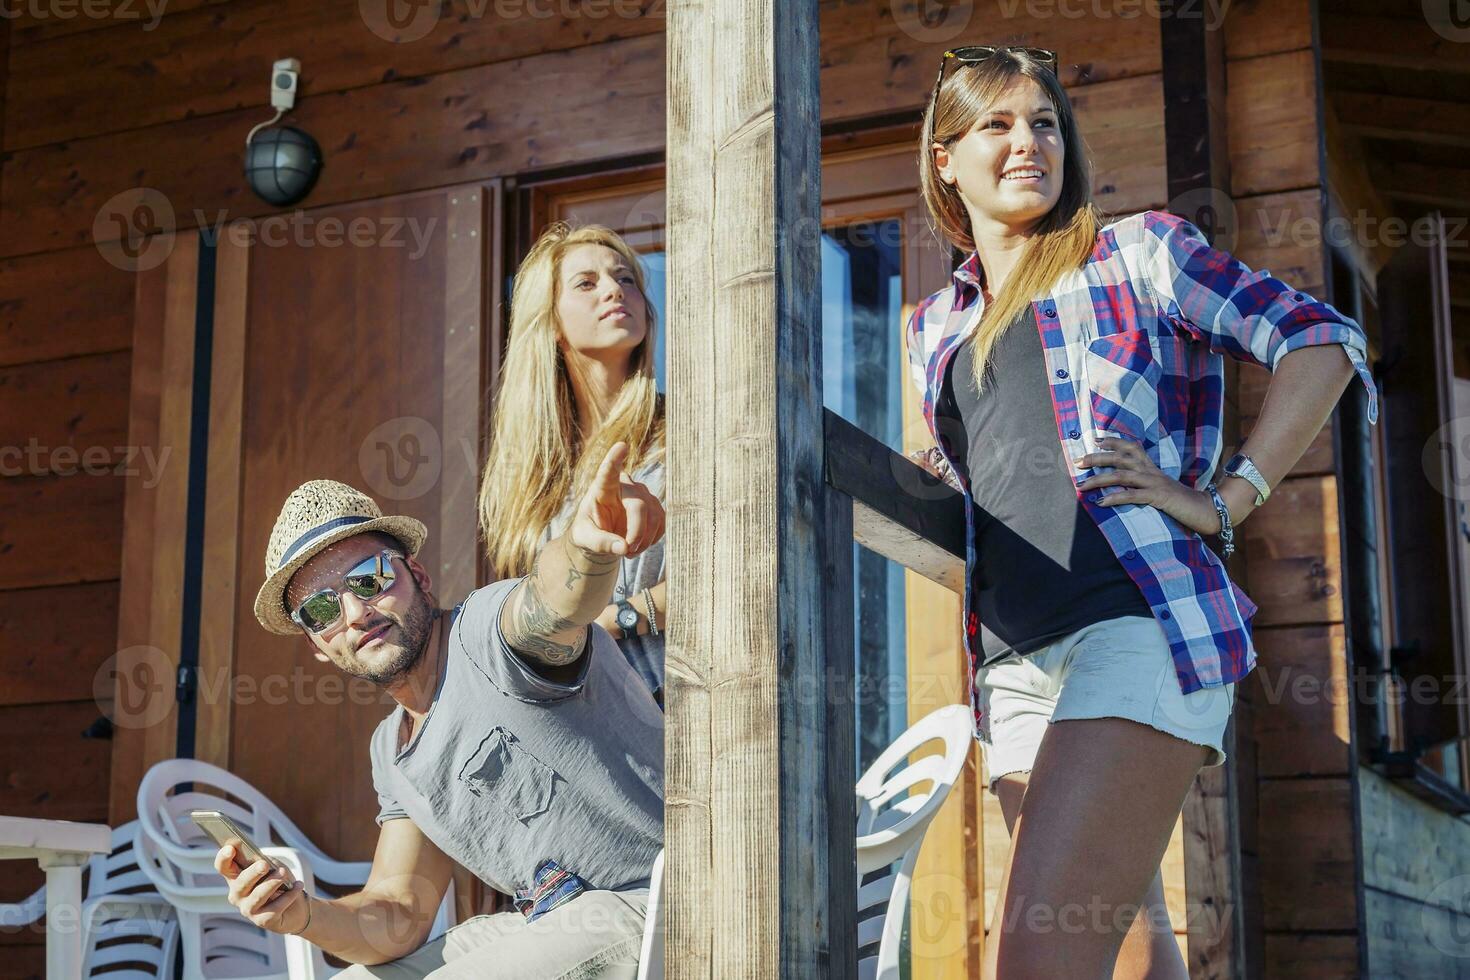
(1149, 951)
(1089, 828)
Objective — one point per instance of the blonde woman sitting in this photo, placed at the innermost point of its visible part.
(578, 377)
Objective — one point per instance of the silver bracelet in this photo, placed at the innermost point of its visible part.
(308, 919)
(652, 612)
(1227, 532)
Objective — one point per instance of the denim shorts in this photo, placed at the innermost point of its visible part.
(1117, 668)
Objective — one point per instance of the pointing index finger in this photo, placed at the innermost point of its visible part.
(610, 472)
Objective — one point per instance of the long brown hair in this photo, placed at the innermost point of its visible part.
(1064, 237)
(538, 453)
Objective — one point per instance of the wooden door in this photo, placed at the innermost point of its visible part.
(347, 343)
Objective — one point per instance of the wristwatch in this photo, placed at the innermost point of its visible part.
(1240, 465)
(627, 617)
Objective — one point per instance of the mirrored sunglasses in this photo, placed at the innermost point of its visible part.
(367, 580)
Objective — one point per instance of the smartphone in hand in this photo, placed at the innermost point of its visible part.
(226, 833)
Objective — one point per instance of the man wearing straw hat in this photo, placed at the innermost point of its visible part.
(523, 745)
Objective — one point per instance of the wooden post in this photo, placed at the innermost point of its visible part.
(759, 776)
(1198, 172)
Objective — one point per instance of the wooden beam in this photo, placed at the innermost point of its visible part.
(1196, 140)
(1392, 42)
(899, 511)
(1400, 118)
(760, 808)
(1198, 168)
(152, 546)
(1423, 184)
(219, 576)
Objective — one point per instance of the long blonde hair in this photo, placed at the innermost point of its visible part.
(1064, 237)
(538, 453)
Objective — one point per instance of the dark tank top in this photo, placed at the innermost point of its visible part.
(1043, 569)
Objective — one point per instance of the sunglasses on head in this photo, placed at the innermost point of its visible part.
(974, 54)
(367, 580)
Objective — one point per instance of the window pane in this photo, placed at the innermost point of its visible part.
(862, 380)
(862, 295)
(653, 277)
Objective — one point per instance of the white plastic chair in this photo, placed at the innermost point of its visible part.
(129, 931)
(651, 958)
(897, 800)
(179, 859)
(894, 812)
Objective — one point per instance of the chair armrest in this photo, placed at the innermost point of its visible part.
(304, 960)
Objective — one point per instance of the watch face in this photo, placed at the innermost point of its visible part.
(628, 618)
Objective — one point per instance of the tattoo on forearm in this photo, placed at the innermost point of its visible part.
(534, 623)
(580, 564)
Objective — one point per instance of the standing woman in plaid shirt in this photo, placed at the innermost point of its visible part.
(1072, 378)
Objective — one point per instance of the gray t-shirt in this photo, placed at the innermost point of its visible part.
(510, 769)
(642, 571)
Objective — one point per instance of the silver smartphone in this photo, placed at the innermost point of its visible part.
(226, 833)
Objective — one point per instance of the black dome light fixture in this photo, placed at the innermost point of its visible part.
(282, 162)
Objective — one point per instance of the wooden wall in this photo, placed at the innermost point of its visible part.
(116, 105)
(1299, 821)
(1416, 875)
(1414, 858)
(65, 325)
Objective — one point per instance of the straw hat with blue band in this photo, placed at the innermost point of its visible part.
(318, 514)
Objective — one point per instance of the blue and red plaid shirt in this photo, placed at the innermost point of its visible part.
(1140, 330)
